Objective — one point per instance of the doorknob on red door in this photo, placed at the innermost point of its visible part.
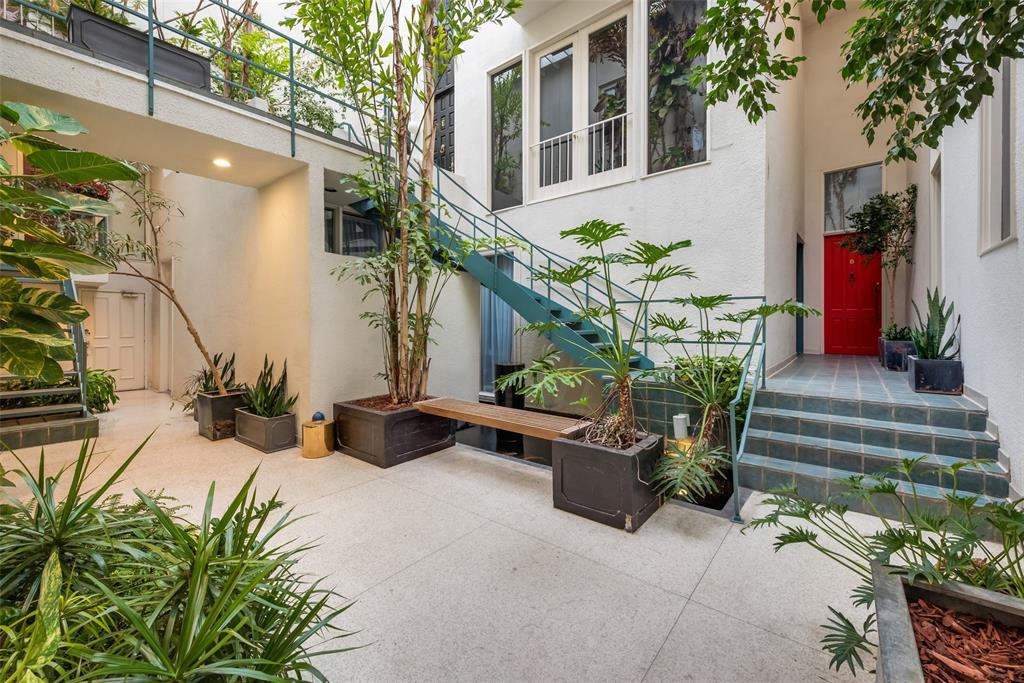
(851, 277)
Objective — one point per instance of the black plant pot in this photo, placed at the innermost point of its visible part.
(606, 485)
(508, 398)
(268, 434)
(899, 660)
(216, 414)
(894, 354)
(389, 437)
(928, 376)
(881, 350)
(107, 38)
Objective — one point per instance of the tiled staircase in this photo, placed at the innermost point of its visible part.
(817, 441)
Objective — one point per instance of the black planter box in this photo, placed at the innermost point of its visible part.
(881, 350)
(107, 38)
(386, 438)
(508, 398)
(898, 657)
(268, 434)
(216, 414)
(606, 485)
(894, 354)
(935, 376)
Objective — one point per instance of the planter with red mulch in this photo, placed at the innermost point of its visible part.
(946, 632)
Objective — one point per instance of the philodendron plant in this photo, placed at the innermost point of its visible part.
(613, 423)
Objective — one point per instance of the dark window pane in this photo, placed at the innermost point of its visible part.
(676, 115)
(606, 137)
(330, 234)
(507, 137)
(361, 236)
(846, 191)
(555, 158)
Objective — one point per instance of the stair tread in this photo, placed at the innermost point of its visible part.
(819, 471)
(894, 454)
(33, 411)
(950, 432)
(955, 402)
(47, 391)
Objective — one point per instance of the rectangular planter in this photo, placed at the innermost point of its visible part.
(894, 354)
(107, 38)
(216, 414)
(935, 376)
(881, 350)
(267, 434)
(898, 658)
(606, 485)
(386, 438)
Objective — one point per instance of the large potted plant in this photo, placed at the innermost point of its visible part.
(266, 421)
(895, 344)
(603, 474)
(958, 556)
(201, 382)
(706, 364)
(884, 227)
(390, 62)
(936, 368)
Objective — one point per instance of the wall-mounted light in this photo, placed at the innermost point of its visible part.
(222, 163)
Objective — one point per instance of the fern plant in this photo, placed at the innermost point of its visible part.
(269, 398)
(923, 544)
(930, 336)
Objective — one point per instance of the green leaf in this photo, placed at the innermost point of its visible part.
(27, 226)
(47, 304)
(8, 113)
(80, 203)
(57, 255)
(45, 637)
(27, 143)
(19, 197)
(32, 118)
(73, 166)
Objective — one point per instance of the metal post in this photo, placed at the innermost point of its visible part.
(291, 90)
(149, 59)
(736, 517)
(764, 353)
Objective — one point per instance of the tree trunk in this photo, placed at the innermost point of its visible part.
(401, 136)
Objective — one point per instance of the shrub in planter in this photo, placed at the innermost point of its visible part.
(267, 421)
(100, 390)
(98, 586)
(895, 345)
(202, 381)
(605, 473)
(955, 540)
(215, 413)
(936, 368)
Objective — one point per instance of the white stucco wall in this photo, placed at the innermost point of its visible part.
(987, 288)
(718, 204)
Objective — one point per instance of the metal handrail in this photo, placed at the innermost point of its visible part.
(78, 339)
(736, 449)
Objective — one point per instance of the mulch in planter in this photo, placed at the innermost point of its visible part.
(957, 647)
(382, 402)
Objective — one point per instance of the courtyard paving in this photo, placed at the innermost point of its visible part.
(460, 569)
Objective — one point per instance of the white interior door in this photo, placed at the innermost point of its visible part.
(117, 337)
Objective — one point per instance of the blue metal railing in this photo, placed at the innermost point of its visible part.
(738, 442)
(78, 339)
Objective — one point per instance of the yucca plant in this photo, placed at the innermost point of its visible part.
(922, 543)
(267, 397)
(97, 587)
(929, 336)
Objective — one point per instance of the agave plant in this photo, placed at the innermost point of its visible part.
(96, 587)
(269, 398)
(924, 544)
(930, 336)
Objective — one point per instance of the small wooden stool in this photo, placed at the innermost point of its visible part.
(317, 438)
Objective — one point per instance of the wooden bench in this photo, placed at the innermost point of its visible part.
(526, 422)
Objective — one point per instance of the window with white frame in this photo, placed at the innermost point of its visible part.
(846, 191)
(997, 181)
(581, 120)
(676, 112)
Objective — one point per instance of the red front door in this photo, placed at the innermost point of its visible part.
(853, 300)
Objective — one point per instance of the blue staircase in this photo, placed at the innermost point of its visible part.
(580, 339)
(39, 415)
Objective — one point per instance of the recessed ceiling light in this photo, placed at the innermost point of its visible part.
(223, 163)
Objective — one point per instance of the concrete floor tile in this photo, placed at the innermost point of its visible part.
(497, 605)
(710, 647)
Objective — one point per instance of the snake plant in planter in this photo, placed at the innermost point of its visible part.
(266, 422)
(936, 368)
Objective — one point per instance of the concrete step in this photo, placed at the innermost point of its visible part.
(33, 411)
(906, 436)
(846, 457)
(48, 430)
(45, 391)
(819, 484)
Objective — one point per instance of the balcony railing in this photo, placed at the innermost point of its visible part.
(601, 149)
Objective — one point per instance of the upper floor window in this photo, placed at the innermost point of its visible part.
(351, 235)
(676, 113)
(997, 178)
(507, 137)
(846, 191)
